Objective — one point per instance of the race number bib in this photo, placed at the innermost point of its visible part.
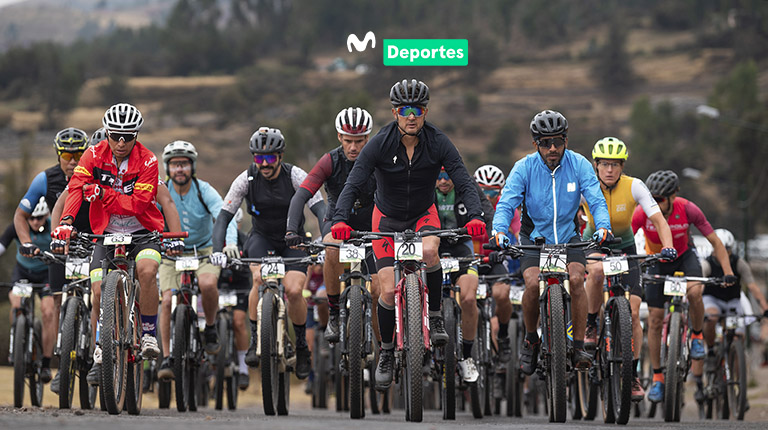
(732, 323)
(449, 265)
(22, 290)
(615, 265)
(349, 253)
(272, 270)
(516, 295)
(187, 263)
(411, 250)
(76, 268)
(553, 260)
(675, 286)
(227, 299)
(117, 239)
(482, 290)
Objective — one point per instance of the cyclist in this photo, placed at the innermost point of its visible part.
(491, 180)
(549, 184)
(119, 178)
(680, 214)
(452, 212)
(622, 194)
(719, 300)
(198, 204)
(353, 127)
(268, 186)
(69, 144)
(406, 157)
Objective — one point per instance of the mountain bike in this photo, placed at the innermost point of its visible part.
(615, 349)
(186, 346)
(275, 349)
(675, 339)
(411, 311)
(26, 344)
(513, 377)
(226, 362)
(484, 353)
(122, 369)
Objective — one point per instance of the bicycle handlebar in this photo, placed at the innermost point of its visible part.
(408, 234)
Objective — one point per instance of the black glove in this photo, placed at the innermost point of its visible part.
(28, 249)
(292, 239)
(668, 254)
(495, 257)
(765, 313)
(730, 280)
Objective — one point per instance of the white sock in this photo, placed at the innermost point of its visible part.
(241, 361)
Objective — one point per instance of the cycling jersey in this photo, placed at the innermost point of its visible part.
(684, 214)
(550, 198)
(405, 187)
(332, 170)
(453, 212)
(128, 202)
(50, 183)
(40, 238)
(622, 199)
(710, 266)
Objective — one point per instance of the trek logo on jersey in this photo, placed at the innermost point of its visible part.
(571, 187)
(621, 208)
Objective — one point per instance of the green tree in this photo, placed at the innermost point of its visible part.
(613, 66)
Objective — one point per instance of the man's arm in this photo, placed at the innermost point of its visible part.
(316, 203)
(7, 237)
(720, 253)
(593, 195)
(169, 208)
(665, 234)
(358, 177)
(37, 189)
(144, 193)
(747, 278)
(309, 186)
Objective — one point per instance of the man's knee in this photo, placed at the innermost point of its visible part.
(694, 293)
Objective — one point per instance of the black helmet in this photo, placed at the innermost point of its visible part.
(266, 140)
(548, 123)
(662, 183)
(411, 92)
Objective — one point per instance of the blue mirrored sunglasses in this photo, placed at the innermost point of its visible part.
(406, 111)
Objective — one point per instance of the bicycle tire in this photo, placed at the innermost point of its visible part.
(179, 350)
(485, 373)
(321, 379)
(87, 392)
(222, 363)
(134, 391)
(355, 360)
(621, 352)
(36, 386)
(268, 361)
(514, 386)
(556, 377)
(283, 393)
(114, 355)
(672, 392)
(415, 349)
(19, 364)
(448, 377)
(339, 380)
(68, 358)
(592, 398)
(192, 365)
(737, 385)
(163, 394)
(476, 391)
(574, 396)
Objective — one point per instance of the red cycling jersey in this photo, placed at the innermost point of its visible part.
(129, 192)
(684, 214)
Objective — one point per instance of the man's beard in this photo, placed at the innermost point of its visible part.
(185, 181)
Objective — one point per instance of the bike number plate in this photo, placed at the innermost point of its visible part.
(516, 295)
(615, 265)
(22, 290)
(732, 323)
(227, 298)
(411, 250)
(449, 265)
(553, 260)
(349, 253)
(76, 268)
(187, 263)
(117, 239)
(675, 286)
(272, 270)
(482, 290)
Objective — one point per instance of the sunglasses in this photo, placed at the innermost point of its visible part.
(443, 176)
(125, 137)
(491, 192)
(269, 158)
(38, 218)
(406, 111)
(660, 199)
(609, 164)
(547, 143)
(68, 156)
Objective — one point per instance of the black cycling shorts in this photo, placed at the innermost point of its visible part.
(688, 263)
(257, 246)
(20, 272)
(633, 277)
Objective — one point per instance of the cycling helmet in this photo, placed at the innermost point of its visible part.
(548, 123)
(238, 216)
(610, 148)
(41, 209)
(354, 121)
(489, 176)
(70, 140)
(662, 183)
(98, 135)
(411, 92)
(726, 237)
(266, 140)
(180, 148)
(122, 117)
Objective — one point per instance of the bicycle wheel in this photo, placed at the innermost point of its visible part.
(283, 392)
(485, 365)
(163, 394)
(448, 379)
(85, 352)
(36, 385)
(179, 351)
(556, 377)
(321, 379)
(355, 360)
(477, 389)
(68, 360)
(222, 363)
(339, 380)
(574, 397)
(114, 317)
(621, 360)
(415, 349)
(514, 385)
(737, 383)
(20, 333)
(589, 389)
(134, 391)
(673, 385)
(193, 362)
(268, 362)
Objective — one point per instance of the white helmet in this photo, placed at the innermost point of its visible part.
(726, 237)
(41, 209)
(122, 117)
(354, 121)
(98, 136)
(490, 176)
(238, 215)
(180, 148)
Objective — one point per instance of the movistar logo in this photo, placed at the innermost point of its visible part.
(361, 45)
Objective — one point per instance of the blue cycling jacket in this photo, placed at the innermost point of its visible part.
(550, 198)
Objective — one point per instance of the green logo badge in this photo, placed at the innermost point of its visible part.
(426, 52)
